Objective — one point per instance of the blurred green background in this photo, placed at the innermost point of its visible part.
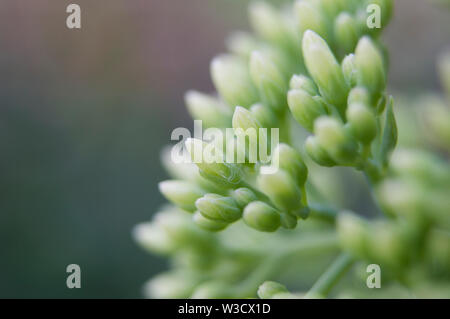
(84, 114)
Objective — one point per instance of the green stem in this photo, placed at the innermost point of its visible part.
(273, 263)
(331, 277)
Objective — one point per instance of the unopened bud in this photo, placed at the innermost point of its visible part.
(318, 153)
(181, 193)
(262, 217)
(269, 289)
(281, 189)
(346, 31)
(208, 109)
(232, 80)
(303, 82)
(310, 17)
(332, 136)
(369, 63)
(349, 70)
(244, 196)
(207, 223)
(291, 161)
(269, 80)
(217, 207)
(305, 108)
(325, 70)
(362, 121)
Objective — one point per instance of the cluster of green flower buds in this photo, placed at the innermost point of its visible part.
(343, 104)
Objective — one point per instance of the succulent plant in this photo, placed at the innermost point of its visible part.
(317, 72)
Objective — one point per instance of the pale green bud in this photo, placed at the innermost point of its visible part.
(268, 23)
(288, 220)
(424, 166)
(310, 17)
(369, 63)
(325, 70)
(305, 108)
(263, 115)
(346, 31)
(181, 193)
(242, 44)
(232, 80)
(359, 95)
(227, 173)
(269, 289)
(244, 196)
(390, 134)
(362, 122)
(244, 119)
(332, 136)
(318, 153)
(262, 217)
(349, 70)
(213, 290)
(207, 223)
(303, 82)
(281, 189)
(269, 80)
(400, 197)
(208, 109)
(171, 285)
(291, 161)
(436, 119)
(353, 234)
(153, 238)
(217, 207)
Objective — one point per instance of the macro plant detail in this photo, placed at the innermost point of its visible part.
(318, 73)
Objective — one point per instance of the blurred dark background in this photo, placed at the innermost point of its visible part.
(84, 114)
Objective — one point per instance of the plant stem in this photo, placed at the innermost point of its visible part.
(331, 276)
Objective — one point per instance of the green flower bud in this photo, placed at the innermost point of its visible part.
(288, 220)
(171, 285)
(303, 82)
(244, 196)
(232, 80)
(305, 108)
(181, 193)
(269, 289)
(332, 136)
(353, 234)
(269, 24)
(170, 231)
(400, 198)
(310, 17)
(217, 207)
(291, 161)
(359, 95)
(245, 123)
(422, 165)
(325, 70)
(369, 63)
(208, 109)
(281, 189)
(153, 238)
(390, 134)
(269, 81)
(349, 70)
(225, 173)
(362, 122)
(262, 217)
(436, 119)
(213, 290)
(263, 115)
(318, 153)
(346, 31)
(242, 44)
(207, 223)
